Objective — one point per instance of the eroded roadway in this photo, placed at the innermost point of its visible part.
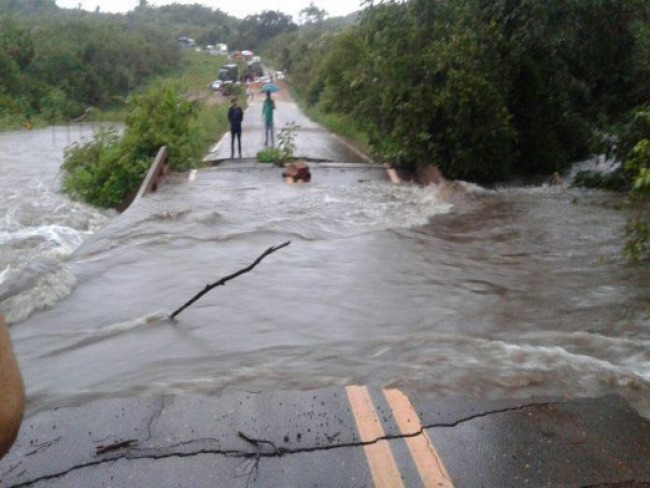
(335, 437)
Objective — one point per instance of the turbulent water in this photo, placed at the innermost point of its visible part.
(39, 227)
(506, 293)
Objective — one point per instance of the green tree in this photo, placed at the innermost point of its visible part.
(32, 7)
(312, 15)
(256, 30)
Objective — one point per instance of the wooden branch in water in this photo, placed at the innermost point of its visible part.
(224, 280)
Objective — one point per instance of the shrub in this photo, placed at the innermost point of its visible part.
(161, 116)
(104, 171)
(90, 170)
(269, 155)
(287, 144)
(233, 90)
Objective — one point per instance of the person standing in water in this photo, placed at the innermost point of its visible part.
(235, 117)
(267, 117)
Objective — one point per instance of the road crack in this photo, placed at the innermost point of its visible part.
(134, 453)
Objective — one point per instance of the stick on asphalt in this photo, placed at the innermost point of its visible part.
(223, 281)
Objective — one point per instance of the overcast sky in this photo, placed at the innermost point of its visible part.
(237, 8)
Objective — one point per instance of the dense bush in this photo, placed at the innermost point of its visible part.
(91, 169)
(104, 171)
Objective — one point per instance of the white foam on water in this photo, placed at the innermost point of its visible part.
(598, 164)
(36, 276)
(48, 289)
(4, 276)
(75, 339)
(35, 256)
(382, 206)
(53, 241)
(129, 325)
(555, 370)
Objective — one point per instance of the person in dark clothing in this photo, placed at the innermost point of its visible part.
(235, 117)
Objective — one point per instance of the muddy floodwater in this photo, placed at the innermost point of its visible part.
(510, 292)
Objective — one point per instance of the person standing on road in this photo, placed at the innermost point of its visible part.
(267, 117)
(235, 117)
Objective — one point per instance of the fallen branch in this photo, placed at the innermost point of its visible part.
(224, 280)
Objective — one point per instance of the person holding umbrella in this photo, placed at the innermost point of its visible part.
(267, 112)
(235, 117)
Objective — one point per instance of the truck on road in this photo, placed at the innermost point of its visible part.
(227, 75)
(254, 70)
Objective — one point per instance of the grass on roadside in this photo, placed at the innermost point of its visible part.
(342, 126)
(208, 128)
(197, 71)
(195, 74)
(335, 123)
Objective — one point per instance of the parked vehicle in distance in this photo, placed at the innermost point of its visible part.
(228, 72)
(254, 70)
(227, 78)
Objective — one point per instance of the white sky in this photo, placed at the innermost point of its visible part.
(237, 8)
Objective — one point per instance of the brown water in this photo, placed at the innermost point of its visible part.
(506, 293)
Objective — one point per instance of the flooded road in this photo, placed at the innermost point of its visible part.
(506, 293)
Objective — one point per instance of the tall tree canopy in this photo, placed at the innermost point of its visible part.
(486, 89)
(256, 30)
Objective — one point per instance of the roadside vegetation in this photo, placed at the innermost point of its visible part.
(638, 166)
(487, 90)
(106, 171)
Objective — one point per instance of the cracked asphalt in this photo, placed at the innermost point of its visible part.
(318, 438)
